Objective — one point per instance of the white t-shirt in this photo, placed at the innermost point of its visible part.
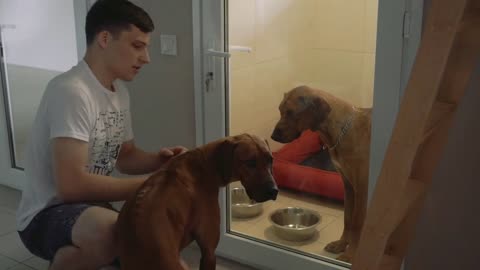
(76, 105)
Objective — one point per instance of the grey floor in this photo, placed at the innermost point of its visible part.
(14, 256)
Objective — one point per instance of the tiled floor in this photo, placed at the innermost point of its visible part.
(14, 256)
(329, 229)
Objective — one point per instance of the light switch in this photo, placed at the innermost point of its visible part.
(168, 44)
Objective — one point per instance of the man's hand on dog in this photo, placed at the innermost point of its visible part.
(165, 154)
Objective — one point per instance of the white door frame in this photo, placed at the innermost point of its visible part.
(9, 176)
(394, 58)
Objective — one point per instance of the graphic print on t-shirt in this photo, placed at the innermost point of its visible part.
(107, 138)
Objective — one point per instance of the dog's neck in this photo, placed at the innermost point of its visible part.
(210, 154)
(343, 131)
(338, 123)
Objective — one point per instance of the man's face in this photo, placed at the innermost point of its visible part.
(127, 52)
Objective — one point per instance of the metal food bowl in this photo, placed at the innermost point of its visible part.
(295, 223)
(242, 205)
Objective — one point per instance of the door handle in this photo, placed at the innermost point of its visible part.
(234, 48)
(212, 52)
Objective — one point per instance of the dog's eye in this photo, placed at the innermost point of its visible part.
(252, 163)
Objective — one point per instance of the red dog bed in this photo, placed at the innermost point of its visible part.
(289, 173)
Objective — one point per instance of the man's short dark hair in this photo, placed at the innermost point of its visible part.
(115, 16)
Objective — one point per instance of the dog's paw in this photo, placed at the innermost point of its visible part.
(336, 247)
(345, 257)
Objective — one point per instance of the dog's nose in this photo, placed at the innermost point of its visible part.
(272, 193)
(277, 134)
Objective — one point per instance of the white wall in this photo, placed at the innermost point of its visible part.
(44, 35)
(162, 96)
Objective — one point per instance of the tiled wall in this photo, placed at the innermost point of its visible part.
(327, 44)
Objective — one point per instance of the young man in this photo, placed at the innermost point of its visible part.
(82, 131)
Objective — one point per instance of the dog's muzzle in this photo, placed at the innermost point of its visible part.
(277, 135)
(271, 191)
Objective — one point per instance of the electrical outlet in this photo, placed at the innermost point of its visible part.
(168, 44)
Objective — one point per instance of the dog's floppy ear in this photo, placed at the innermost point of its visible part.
(314, 102)
(321, 108)
(306, 102)
(224, 156)
(317, 104)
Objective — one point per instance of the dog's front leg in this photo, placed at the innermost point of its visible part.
(208, 243)
(208, 260)
(340, 245)
(207, 236)
(358, 217)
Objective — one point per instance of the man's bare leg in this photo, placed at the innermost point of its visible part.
(93, 237)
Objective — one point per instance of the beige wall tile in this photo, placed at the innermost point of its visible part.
(371, 16)
(340, 25)
(241, 97)
(338, 72)
(301, 22)
(242, 27)
(255, 97)
(271, 30)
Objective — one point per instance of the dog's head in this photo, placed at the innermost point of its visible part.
(301, 108)
(248, 158)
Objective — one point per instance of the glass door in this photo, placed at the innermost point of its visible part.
(253, 51)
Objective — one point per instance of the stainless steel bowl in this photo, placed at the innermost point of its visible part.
(295, 223)
(242, 205)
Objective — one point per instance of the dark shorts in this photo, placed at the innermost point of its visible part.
(52, 227)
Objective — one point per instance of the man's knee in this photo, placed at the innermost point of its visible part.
(104, 249)
(94, 233)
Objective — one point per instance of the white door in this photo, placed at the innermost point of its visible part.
(37, 43)
(248, 52)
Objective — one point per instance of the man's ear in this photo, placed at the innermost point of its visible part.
(103, 38)
(224, 157)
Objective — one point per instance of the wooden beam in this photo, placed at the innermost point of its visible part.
(463, 59)
(425, 106)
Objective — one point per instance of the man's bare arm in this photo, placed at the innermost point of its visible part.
(135, 161)
(75, 183)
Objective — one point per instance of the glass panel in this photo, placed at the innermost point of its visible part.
(39, 42)
(277, 45)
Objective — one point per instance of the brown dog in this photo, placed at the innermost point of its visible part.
(345, 130)
(179, 204)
